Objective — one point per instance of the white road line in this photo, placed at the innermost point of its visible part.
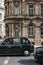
(6, 61)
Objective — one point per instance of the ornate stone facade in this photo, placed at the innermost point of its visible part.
(25, 18)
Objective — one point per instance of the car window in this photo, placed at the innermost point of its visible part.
(16, 40)
(8, 41)
(24, 40)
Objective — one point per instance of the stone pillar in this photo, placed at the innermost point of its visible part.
(12, 8)
(37, 36)
(24, 30)
(10, 29)
(20, 29)
(23, 7)
(37, 9)
(20, 8)
(7, 8)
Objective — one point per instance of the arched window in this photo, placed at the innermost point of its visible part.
(31, 29)
(42, 29)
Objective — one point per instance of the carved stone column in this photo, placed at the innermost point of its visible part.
(10, 29)
(37, 36)
(23, 7)
(10, 8)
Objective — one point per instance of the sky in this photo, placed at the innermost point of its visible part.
(1, 0)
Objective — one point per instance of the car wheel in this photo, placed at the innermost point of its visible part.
(26, 52)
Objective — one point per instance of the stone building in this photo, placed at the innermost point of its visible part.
(2, 25)
(24, 18)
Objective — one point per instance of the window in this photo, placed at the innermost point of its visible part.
(42, 10)
(25, 41)
(16, 10)
(31, 10)
(16, 40)
(16, 33)
(42, 29)
(5, 10)
(7, 30)
(0, 16)
(8, 41)
(31, 29)
(16, 28)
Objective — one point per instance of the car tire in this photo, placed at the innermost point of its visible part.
(26, 53)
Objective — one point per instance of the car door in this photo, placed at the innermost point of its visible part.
(5, 47)
(2, 47)
(25, 43)
(16, 46)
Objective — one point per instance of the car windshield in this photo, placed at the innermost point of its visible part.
(40, 48)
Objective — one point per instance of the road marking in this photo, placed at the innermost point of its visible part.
(6, 61)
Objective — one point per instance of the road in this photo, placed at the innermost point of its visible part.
(18, 60)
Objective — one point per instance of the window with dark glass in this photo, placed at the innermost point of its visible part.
(16, 27)
(31, 10)
(8, 41)
(42, 10)
(16, 33)
(31, 30)
(5, 10)
(25, 41)
(16, 40)
(42, 30)
(7, 29)
(0, 16)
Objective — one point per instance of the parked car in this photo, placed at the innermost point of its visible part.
(15, 46)
(38, 55)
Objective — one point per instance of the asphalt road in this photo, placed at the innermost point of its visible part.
(18, 60)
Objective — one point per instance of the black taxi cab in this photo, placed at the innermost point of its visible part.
(15, 46)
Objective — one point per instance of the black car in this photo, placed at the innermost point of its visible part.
(15, 46)
(38, 55)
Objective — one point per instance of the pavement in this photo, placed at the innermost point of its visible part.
(18, 60)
